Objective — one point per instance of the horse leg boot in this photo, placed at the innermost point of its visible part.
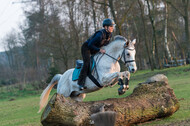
(120, 90)
(124, 86)
(127, 76)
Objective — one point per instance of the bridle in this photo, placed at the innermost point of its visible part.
(123, 55)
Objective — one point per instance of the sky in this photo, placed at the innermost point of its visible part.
(11, 14)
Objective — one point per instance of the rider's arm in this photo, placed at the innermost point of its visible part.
(96, 39)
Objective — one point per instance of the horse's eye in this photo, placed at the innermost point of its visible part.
(128, 54)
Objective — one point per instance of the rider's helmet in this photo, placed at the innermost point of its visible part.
(108, 22)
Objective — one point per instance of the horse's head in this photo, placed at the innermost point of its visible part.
(128, 54)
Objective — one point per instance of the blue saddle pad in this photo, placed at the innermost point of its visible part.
(79, 64)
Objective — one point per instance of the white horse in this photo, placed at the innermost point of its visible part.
(107, 72)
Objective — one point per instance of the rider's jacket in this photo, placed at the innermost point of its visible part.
(99, 39)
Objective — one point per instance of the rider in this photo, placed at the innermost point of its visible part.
(92, 46)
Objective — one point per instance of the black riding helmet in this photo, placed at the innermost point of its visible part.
(108, 22)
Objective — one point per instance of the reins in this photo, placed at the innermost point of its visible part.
(111, 57)
(123, 54)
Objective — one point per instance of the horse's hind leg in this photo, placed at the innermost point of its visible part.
(77, 96)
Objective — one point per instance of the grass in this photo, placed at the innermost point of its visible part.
(19, 108)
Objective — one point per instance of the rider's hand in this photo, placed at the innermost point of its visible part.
(102, 51)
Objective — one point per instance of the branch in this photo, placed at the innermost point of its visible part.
(177, 41)
(175, 8)
(125, 16)
(100, 3)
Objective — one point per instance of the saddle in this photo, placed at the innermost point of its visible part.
(79, 64)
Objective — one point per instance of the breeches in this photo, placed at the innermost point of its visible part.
(86, 58)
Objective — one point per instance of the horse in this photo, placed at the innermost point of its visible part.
(107, 72)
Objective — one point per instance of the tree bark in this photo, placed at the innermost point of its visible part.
(149, 100)
(155, 57)
(118, 29)
(145, 37)
(166, 32)
(94, 15)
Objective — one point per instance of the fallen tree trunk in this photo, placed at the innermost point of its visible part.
(149, 100)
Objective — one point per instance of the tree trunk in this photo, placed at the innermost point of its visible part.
(118, 29)
(166, 32)
(145, 37)
(149, 100)
(151, 17)
(94, 15)
(106, 9)
(186, 19)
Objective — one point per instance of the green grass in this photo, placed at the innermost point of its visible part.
(22, 109)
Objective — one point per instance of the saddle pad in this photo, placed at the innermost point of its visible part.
(76, 74)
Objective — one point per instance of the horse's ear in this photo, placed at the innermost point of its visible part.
(127, 43)
(134, 41)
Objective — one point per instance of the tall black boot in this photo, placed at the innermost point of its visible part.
(82, 85)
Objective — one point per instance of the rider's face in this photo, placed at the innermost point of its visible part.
(109, 28)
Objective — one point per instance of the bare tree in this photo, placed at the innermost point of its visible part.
(145, 36)
(155, 56)
(185, 15)
(166, 32)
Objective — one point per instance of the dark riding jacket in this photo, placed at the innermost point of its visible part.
(99, 39)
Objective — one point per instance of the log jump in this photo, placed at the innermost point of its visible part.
(150, 100)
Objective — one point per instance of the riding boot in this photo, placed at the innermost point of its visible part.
(82, 84)
(86, 58)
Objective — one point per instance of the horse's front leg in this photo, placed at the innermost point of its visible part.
(110, 78)
(124, 86)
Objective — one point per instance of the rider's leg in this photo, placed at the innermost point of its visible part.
(86, 58)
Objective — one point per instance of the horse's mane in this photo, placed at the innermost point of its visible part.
(118, 42)
(119, 37)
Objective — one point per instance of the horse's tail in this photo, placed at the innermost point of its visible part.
(106, 118)
(45, 94)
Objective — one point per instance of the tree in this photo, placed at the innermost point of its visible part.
(185, 15)
(166, 32)
(145, 38)
(155, 56)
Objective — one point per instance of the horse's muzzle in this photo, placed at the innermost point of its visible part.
(132, 70)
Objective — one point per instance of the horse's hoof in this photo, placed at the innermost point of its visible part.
(121, 91)
(127, 87)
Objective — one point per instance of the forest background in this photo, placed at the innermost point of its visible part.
(50, 38)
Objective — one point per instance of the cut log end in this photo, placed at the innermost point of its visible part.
(104, 118)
